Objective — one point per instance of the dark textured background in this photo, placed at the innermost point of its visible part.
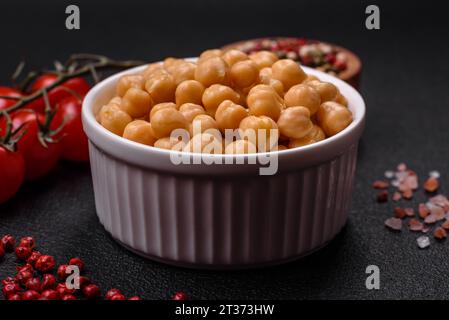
(405, 84)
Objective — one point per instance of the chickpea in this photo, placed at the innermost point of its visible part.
(244, 73)
(326, 90)
(152, 69)
(191, 110)
(263, 58)
(189, 91)
(116, 100)
(169, 143)
(240, 147)
(139, 131)
(129, 81)
(205, 143)
(161, 106)
(294, 122)
(315, 135)
(229, 115)
(263, 100)
(211, 53)
(114, 119)
(216, 94)
(212, 71)
(233, 56)
(341, 99)
(170, 62)
(333, 117)
(136, 102)
(184, 71)
(202, 123)
(288, 72)
(161, 88)
(253, 128)
(166, 120)
(311, 78)
(303, 95)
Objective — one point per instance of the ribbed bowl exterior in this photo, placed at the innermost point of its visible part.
(222, 222)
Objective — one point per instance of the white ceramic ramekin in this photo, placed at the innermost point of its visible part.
(221, 216)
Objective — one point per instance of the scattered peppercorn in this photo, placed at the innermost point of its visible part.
(28, 242)
(112, 293)
(8, 242)
(77, 262)
(31, 295)
(23, 253)
(34, 284)
(50, 295)
(45, 263)
(48, 282)
(62, 272)
(180, 295)
(382, 196)
(91, 291)
(33, 258)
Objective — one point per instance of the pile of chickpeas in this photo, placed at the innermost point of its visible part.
(225, 90)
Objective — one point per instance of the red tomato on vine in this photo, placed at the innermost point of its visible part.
(73, 140)
(8, 92)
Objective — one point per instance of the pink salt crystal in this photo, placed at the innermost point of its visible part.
(394, 224)
(439, 200)
(415, 225)
(430, 219)
(409, 212)
(437, 212)
(402, 167)
(396, 196)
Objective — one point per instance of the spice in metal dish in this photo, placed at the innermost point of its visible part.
(311, 53)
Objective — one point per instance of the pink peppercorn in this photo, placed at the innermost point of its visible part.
(50, 295)
(8, 242)
(112, 293)
(8, 280)
(48, 282)
(28, 242)
(34, 284)
(45, 263)
(68, 297)
(77, 262)
(91, 291)
(35, 255)
(23, 276)
(31, 295)
(10, 289)
(15, 297)
(180, 295)
(25, 267)
(62, 272)
(23, 253)
(118, 297)
(63, 290)
(135, 298)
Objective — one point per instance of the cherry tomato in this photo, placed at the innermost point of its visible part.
(43, 81)
(39, 160)
(8, 92)
(73, 142)
(78, 86)
(12, 173)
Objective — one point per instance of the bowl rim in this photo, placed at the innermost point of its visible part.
(103, 138)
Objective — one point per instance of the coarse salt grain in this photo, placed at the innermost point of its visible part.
(439, 233)
(389, 174)
(434, 174)
(423, 242)
(415, 225)
(394, 224)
